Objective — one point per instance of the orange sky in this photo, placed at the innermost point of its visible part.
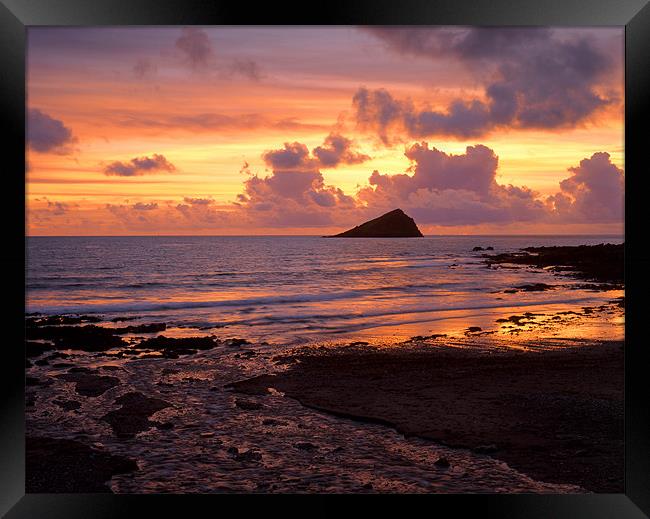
(211, 101)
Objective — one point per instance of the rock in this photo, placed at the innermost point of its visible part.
(489, 248)
(33, 381)
(88, 384)
(55, 320)
(234, 342)
(601, 263)
(36, 349)
(476, 249)
(486, 449)
(141, 328)
(86, 338)
(172, 347)
(133, 415)
(67, 405)
(442, 463)
(472, 329)
(247, 404)
(395, 224)
(68, 466)
(305, 446)
(535, 287)
(272, 422)
(248, 455)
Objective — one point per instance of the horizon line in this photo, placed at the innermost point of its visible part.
(301, 235)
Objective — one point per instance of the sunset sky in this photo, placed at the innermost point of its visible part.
(283, 130)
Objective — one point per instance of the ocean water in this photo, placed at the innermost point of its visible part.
(294, 289)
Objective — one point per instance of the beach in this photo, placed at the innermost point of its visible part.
(518, 398)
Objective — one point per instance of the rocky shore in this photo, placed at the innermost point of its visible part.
(600, 263)
(556, 415)
(511, 407)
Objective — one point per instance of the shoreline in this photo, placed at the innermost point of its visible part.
(527, 400)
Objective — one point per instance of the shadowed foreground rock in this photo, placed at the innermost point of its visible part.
(133, 415)
(555, 415)
(395, 224)
(67, 466)
(602, 263)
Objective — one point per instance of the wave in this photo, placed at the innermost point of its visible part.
(290, 318)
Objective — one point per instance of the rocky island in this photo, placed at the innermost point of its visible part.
(394, 224)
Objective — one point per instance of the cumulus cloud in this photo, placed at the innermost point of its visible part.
(336, 150)
(295, 194)
(532, 79)
(195, 47)
(46, 134)
(139, 166)
(447, 189)
(595, 192)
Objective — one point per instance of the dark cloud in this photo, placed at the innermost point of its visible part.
(246, 68)
(196, 47)
(139, 166)
(198, 201)
(139, 206)
(48, 135)
(535, 79)
(595, 192)
(336, 150)
(144, 68)
(293, 155)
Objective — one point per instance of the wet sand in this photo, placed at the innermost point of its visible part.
(555, 414)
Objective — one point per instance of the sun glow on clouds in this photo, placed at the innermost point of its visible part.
(129, 127)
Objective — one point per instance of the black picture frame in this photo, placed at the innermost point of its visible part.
(17, 15)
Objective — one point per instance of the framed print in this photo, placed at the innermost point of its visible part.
(383, 249)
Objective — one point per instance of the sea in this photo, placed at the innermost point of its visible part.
(297, 289)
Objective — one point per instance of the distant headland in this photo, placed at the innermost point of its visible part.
(394, 224)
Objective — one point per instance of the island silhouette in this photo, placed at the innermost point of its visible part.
(394, 224)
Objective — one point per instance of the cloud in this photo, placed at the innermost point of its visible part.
(144, 68)
(447, 189)
(139, 206)
(198, 201)
(246, 68)
(336, 150)
(293, 155)
(532, 78)
(595, 192)
(295, 194)
(196, 47)
(139, 166)
(210, 122)
(48, 135)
